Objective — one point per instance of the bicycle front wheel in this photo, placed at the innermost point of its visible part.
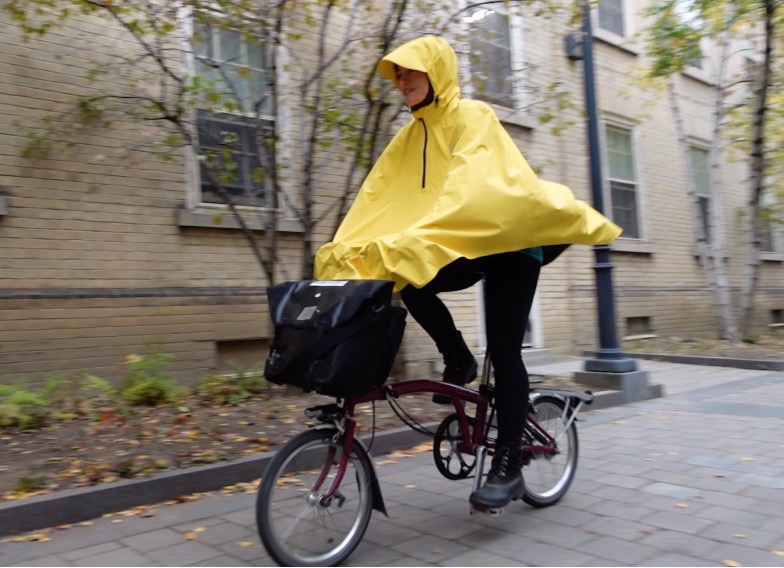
(549, 468)
(297, 523)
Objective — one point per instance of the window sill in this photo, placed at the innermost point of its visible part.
(615, 40)
(221, 219)
(633, 247)
(510, 116)
(772, 257)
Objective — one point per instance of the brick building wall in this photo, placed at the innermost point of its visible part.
(101, 258)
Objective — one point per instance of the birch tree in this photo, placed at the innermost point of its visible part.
(770, 21)
(744, 83)
(673, 43)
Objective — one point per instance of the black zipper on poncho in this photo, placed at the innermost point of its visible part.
(424, 154)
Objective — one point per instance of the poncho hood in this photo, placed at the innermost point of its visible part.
(451, 183)
(432, 55)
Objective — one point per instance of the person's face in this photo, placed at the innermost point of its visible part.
(413, 84)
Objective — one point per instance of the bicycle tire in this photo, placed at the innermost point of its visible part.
(548, 476)
(295, 526)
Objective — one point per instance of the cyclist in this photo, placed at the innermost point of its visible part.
(452, 200)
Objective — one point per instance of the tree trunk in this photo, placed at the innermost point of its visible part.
(715, 271)
(752, 261)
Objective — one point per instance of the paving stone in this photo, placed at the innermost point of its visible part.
(680, 542)
(482, 558)
(744, 555)
(119, 557)
(617, 550)
(44, 561)
(153, 540)
(743, 518)
(227, 560)
(90, 550)
(183, 554)
(672, 559)
(430, 548)
(728, 533)
(678, 522)
(542, 554)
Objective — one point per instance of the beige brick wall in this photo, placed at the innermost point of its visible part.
(94, 265)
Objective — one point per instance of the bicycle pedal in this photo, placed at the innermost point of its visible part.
(492, 511)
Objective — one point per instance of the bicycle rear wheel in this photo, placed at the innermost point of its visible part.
(549, 471)
(297, 524)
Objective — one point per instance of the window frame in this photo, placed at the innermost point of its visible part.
(706, 211)
(623, 17)
(195, 202)
(635, 152)
(516, 25)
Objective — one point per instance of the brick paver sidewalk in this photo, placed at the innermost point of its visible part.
(692, 479)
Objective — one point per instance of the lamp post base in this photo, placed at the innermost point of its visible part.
(633, 386)
(611, 365)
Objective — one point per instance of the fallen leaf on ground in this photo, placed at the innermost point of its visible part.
(245, 544)
(190, 536)
(732, 563)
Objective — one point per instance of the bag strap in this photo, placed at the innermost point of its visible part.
(318, 348)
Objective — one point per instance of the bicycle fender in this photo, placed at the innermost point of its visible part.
(375, 486)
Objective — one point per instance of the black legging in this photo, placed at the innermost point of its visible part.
(509, 287)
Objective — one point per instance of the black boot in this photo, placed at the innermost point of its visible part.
(460, 367)
(505, 480)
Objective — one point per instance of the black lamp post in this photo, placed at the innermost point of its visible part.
(609, 358)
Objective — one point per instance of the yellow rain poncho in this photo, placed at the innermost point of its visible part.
(451, 183)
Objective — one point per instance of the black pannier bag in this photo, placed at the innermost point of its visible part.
(334, 337)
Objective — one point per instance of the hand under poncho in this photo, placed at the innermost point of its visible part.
(451, 183)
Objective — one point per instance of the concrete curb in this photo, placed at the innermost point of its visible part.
(76, 505)
(750, 364)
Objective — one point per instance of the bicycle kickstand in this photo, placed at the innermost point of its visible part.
(481, 453)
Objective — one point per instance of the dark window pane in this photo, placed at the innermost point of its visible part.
(624, 208)
(611, 16)
(704, 205)
(491, 58)
(229, 144)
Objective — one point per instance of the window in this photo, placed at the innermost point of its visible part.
(492, 53)
(768, 222)
(622, 180)
(237, 76)
(611, 16)
(699, 172)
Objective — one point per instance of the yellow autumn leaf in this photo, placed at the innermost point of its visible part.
(778, 552)
(245, 544)
(682, 506)
(190, 536)
(732, 563)
(739, 535)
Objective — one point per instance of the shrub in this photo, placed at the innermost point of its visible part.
(22, 407)
(231, 390)
(146, 382)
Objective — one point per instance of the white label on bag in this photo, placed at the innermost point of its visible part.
(307, 313)
(329, 283)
